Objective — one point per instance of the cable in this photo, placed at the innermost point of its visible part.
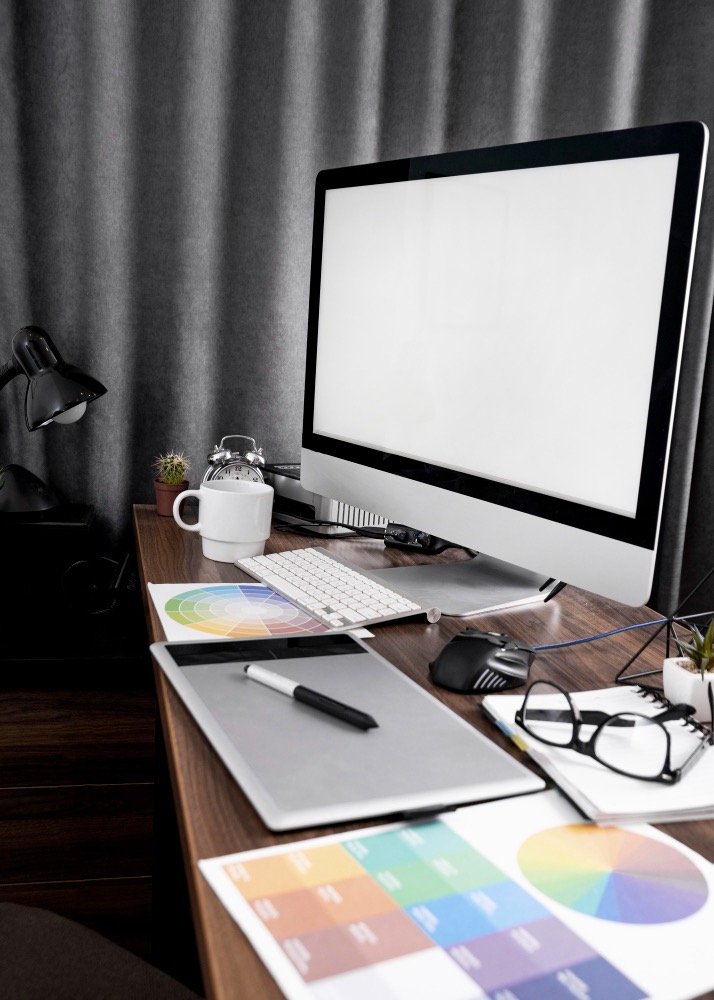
(397, 536)
(625, 628)
(600, 635)
(400, 536)
(305, 528)
(87, 583)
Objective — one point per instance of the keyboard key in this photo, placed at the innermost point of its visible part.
(353, 616)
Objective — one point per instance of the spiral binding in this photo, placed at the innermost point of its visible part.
(657, 695)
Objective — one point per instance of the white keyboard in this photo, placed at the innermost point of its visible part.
(332, 590)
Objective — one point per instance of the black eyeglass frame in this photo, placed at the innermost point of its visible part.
(667, 774)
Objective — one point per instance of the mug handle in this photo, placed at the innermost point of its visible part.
(177, 516)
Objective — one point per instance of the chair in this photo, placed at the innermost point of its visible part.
(44, 956)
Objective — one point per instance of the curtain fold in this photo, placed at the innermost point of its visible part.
(156, 187)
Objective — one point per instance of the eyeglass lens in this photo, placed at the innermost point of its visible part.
(629, 742)
(547, 714)
(639, 747)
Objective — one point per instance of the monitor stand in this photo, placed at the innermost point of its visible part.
(468, 588)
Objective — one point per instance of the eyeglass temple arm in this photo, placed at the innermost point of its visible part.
(680, 711)
(565, 715)
(551, 714)
(592, 718)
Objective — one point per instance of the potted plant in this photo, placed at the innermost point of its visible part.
(687, 677)
(171, 479)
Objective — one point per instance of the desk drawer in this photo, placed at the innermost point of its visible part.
(72, 736)
(80, 832)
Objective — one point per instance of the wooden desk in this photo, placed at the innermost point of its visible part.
(214, 815)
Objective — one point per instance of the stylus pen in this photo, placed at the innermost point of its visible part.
(309, 697)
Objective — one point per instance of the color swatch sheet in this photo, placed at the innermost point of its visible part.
(513, 900)
(228, 611)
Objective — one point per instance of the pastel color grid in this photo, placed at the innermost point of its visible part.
(240, 611)
(416, 912)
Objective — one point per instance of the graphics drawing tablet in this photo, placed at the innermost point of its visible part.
(301, 767)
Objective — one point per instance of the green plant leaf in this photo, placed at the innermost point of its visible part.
(701, 648)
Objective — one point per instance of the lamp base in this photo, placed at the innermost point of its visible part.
(22, 492)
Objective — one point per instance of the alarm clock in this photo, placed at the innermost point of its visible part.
(223, 463)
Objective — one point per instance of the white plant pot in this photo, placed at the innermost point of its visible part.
(682, 686)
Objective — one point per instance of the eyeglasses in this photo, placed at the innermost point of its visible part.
(638, 746)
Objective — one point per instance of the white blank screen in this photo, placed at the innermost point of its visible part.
(501, 324)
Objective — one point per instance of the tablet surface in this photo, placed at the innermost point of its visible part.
(301, 767)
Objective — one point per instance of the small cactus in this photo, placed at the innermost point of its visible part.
(171, 468)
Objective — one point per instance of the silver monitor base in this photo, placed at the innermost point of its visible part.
(468, 588)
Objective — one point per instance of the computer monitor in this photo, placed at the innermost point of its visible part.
(494, 340)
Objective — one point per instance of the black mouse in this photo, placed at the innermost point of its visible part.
(473, 662)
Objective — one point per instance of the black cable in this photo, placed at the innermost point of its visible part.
(305, 528)
(394, 535)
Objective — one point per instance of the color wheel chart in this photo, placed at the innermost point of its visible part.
(418, 912)
(613, 874)
(228, 611)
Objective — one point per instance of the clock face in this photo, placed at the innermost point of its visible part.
(236, 470)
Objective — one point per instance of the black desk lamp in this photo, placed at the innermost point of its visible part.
(55, 391)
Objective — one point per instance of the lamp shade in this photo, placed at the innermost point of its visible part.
(53, 385)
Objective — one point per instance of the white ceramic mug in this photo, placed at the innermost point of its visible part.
(233, 518)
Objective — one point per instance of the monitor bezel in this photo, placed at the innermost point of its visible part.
(688, 140)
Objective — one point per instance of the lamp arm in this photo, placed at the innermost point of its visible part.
(8, 372)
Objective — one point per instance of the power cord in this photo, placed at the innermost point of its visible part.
(625, 628)
(397, 536)
(307, 528)
(600, 635)
(92, 584)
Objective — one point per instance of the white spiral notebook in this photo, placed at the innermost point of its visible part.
(602, 794)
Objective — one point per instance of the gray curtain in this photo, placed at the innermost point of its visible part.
(157, 163)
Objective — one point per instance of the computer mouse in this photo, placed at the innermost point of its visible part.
(474, 662)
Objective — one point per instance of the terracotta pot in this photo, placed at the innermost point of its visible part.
(166, 493)
(682, 686)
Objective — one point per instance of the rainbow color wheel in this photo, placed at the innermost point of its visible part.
(239, 611)
(613, 874)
